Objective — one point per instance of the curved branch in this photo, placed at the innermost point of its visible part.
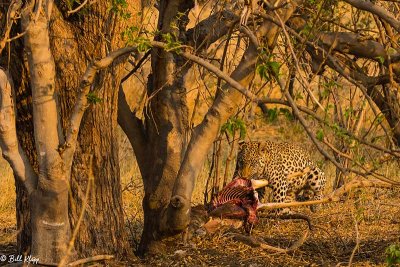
(211, 29)
(376, 10)
(335, 196)
(258, 242)
(11, 149)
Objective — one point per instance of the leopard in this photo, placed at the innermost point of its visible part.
(288, 168)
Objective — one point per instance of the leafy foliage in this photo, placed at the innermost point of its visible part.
(120, 8)
(273, 113)
(393, 255)
(268, 68)
(320, 135)
(130, 36)
(234, 124)
(172, 44)
(93, 98)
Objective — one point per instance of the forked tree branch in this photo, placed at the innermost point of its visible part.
(11, 149)
(211, 29)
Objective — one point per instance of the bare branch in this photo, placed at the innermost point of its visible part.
(335, 196)
(12, 12)
(376, 10)
(78, 8)
(354, 44)
(11, 149)
(258, 242)
(90, 259)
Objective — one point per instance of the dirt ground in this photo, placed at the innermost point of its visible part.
(374, 219)
(365, 224)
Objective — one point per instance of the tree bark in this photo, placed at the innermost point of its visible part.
(166, 126)
(74, 43)
(96, 163)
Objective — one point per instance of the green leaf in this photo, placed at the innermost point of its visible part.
(320, 135)
(272, 114)
(275, 67)
(381, 59)
(93, 98)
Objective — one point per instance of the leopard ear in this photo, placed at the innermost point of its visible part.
(241, 143)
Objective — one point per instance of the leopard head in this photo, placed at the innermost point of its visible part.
(250, 160)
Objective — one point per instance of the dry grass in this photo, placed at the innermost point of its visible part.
(331, 242)
(7, 205)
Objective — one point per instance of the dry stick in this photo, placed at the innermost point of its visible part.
(78, 8)
(333, 197)
(357, 242)
(137, 66)
(257, 242)
(91, 259)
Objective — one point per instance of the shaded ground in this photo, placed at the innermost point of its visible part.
(331, 242)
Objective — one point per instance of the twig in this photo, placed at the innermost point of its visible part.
(137, 66)
(91, 259)
(357, 242)
(78, 8)
(304, 83)
(12, 12)
(258, 242)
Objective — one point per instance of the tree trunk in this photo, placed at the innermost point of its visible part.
(49, 199)
(78, 42)
(166, 127)
(96, 163)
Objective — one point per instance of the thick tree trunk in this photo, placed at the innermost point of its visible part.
(49, 200)
(102, 230)
(78, 42)
(166, 127)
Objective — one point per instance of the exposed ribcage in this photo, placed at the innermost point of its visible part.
(236, 191)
